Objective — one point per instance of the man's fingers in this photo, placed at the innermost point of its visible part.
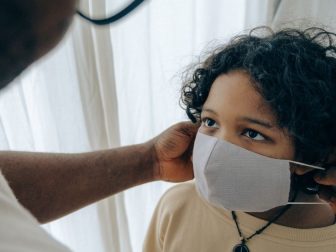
(328, 194)
(327, 177)
(188, 128)
(176, 142)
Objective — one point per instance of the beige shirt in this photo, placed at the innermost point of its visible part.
(19, 230)
(184, 222)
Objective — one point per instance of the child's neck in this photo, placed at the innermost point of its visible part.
(302, 216)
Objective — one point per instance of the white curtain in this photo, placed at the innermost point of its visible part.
(289, 13)
(151, 50)
(105, 87)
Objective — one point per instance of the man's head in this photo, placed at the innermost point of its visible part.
(293, 72)
(29, 29)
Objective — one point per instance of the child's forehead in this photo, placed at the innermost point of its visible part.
(235, 93)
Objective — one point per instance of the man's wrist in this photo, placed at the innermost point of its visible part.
(151, 162)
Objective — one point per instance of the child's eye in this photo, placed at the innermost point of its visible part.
(210, 123)
(255, 135)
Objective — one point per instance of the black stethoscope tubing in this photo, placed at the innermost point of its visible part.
(119, 15)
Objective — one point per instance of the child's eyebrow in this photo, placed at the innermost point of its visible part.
(265, 124)
(257, 121)
(209, 110)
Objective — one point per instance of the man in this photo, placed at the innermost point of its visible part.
(31, 28)
(52, 185)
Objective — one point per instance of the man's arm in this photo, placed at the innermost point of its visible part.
(28, 30)
(53, 185)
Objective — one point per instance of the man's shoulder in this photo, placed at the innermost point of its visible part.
(25, 233)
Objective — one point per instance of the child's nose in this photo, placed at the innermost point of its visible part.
(224, 134)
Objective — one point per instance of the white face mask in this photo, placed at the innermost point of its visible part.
(236, 179)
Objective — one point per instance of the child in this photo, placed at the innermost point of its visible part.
(261, 101)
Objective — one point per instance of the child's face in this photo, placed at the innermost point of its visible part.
(234, 111)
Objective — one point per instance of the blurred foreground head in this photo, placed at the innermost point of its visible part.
(28, 30)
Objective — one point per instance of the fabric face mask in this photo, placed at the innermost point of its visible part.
(234, 178)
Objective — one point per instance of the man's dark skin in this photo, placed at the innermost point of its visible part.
(52, 185)
(29, 29)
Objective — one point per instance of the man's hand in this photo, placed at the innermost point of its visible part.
(328, 189)
(172, 153)
(327, 180)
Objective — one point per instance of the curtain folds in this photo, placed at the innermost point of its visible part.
(284, 13)
(105, 87)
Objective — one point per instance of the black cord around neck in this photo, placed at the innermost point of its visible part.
(259, 231)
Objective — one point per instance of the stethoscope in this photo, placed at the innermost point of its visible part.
(115, 17)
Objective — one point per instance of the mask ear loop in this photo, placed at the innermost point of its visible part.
(307, 165)
(113, 18)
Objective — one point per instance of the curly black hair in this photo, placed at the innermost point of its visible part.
(294, 71)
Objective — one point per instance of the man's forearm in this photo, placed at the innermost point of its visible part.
(53, 185)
